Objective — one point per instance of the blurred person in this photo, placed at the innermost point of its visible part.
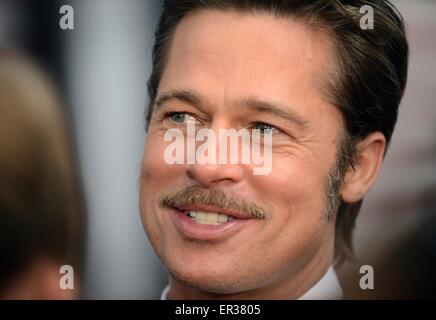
(41, 206)
(328, 91)
(404, 266)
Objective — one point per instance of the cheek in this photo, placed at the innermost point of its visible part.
(295, 193)
(155, 172)
(156, 177)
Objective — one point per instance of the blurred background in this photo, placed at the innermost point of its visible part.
(101, 68)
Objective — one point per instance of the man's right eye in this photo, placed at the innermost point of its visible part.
(179, 117)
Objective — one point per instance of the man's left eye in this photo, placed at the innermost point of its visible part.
(265, 127)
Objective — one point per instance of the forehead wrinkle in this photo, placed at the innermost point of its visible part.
(234, 55)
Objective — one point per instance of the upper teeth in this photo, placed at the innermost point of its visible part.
(209, 217)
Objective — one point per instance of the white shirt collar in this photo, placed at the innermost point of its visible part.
(163, 295)
(327, 288)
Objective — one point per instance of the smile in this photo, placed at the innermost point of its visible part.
(213, 218)
(205, 223)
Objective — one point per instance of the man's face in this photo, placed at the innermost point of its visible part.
(225, 60)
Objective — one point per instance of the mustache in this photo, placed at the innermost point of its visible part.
(195, 195)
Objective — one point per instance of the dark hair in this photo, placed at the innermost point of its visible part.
(368, 79)
(42, 212)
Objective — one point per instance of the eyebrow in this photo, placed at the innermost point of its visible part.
(276, 110)
(194, 99)
(189, 97)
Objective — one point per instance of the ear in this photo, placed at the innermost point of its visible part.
(368, 160)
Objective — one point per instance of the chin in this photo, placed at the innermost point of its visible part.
(222, 276)
(221, 284)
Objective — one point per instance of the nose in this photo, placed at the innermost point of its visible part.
(209, 175)
(217, 173)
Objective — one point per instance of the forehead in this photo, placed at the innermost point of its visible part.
(228, 55)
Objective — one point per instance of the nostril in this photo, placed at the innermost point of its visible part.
(189, 174)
